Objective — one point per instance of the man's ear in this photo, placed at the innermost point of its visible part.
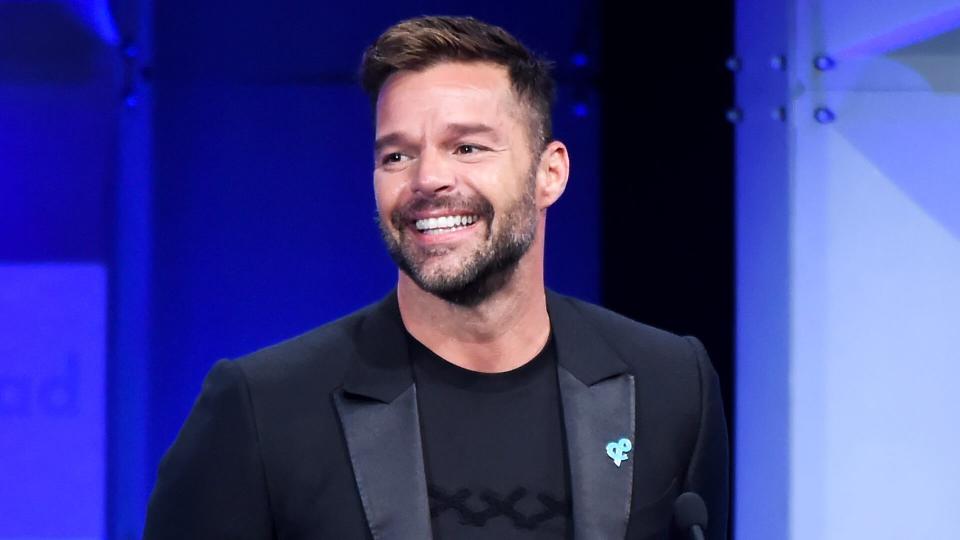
(552, 174)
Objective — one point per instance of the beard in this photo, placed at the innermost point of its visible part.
(484, 269)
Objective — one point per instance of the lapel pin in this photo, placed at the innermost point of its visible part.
(617, 450)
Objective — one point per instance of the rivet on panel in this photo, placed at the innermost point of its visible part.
(824, 115)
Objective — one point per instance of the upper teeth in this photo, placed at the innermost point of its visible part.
(444, 222)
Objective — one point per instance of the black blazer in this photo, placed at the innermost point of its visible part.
(318, 437)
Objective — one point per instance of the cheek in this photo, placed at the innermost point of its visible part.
(491, 178)
(504, 185)
(386, 191)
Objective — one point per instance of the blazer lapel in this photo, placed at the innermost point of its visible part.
(598, 399)
(377, 405)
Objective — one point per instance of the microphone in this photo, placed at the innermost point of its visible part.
(690, 514)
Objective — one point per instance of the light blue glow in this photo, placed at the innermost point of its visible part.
(910, 33)
(874, 362)
(848, 252)
(96, 14)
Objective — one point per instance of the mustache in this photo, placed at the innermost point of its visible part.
(474, 205)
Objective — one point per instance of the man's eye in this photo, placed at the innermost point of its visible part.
(465, 149)
(393, 157)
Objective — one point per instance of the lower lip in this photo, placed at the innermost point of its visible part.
(444, 237)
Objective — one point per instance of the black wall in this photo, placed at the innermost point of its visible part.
(668, 172)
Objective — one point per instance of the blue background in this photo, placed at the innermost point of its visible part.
(211, 162)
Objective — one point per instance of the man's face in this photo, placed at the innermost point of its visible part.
(455, 178)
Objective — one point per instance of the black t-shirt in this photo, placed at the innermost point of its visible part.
(493, 449)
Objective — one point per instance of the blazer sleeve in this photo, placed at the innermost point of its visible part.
(211, 481)
(708, 472)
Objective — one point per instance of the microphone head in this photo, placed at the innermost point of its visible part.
(689, 510)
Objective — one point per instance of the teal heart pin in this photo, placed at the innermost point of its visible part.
(617, 450)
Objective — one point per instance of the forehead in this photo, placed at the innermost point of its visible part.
(449, 92)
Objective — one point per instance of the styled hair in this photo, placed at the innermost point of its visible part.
(419, 43)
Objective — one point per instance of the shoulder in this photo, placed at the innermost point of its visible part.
(678, 396)
(318, 357)
(635, 342)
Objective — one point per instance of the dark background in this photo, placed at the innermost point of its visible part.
(667, 163)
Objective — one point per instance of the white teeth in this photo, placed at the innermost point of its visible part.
(444, 222)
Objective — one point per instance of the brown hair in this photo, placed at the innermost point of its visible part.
(419, 43)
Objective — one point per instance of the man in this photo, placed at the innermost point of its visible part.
(471, 402)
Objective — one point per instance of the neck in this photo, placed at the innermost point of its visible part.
(501, 333)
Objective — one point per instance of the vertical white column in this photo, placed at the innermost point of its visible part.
(761, 442)
(875, 270)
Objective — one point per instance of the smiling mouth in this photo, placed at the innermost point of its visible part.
(445, 224)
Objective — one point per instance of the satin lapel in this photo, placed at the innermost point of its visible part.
(385, 450)
(378, 411)
(597, 394)
(595, 416)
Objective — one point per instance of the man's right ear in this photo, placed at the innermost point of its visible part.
(552, 174)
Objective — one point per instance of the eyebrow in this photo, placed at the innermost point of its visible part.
(390, 139)
(452, 130)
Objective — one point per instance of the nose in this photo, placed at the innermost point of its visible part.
(432, 174)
